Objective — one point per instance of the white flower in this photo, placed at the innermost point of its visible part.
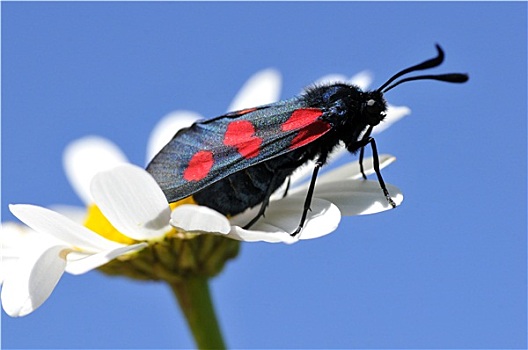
(32, 262)
(135, 205)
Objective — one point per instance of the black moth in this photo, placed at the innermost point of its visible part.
(236, 161)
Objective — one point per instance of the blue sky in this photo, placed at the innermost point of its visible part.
(447, 269)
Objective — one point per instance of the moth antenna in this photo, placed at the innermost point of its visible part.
(449, 78)
(430, 63)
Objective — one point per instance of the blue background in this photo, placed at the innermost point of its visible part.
(447, 269)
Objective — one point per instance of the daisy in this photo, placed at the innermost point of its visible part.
(32, 262)
(134, 205)
(129, 202)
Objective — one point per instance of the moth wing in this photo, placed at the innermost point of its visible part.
(211, 150)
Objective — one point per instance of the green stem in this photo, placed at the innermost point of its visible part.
(195, 301)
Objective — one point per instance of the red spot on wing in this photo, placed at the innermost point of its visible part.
(199, 166)
(301, 118)
(310, 127)
(310, 133)
(241, 135)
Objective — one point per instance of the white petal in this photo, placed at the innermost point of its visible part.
(132, 201)
(18, 236)
(9, 258)
(394, 113)
(73, 213)
(283, 217)
(93, 261)
(260, 89)
(7, 265)
(54, 224)
(87, 156)
(331, 79)
(363, 79)
(13, 234)
(15, 240)
(196, 218)
(358, 197)
(32, 280)
(352, 170)
(322, 224)
(166, 128)
(269, 233)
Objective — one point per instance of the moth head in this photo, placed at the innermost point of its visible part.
(373, 108)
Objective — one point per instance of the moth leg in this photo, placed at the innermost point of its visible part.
(265, 202)
(364, 142)
(287, 187)
(308, 199)
(361, 155)
(365, 138)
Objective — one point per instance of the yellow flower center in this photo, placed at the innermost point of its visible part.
(98, 223)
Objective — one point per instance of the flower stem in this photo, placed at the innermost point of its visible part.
(195, 301)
